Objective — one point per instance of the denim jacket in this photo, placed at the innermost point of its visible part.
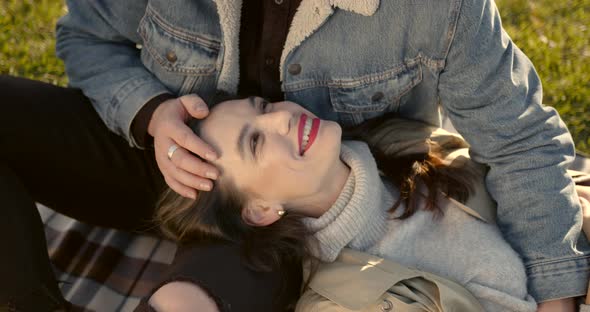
(351, 60)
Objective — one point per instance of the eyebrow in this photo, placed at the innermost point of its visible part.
(252, 101)
(240, 143)
(262, 102)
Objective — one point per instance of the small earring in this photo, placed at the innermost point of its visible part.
(281, 212)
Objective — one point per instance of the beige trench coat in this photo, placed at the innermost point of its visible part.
(357, 281)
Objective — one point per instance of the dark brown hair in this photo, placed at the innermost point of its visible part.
(410, 154)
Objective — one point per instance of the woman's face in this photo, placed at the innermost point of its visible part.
(276, 152)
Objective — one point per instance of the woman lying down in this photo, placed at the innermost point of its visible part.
(291, 188)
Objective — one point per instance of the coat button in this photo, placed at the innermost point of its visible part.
(377, 96)
(386, 305)
(171, 56)
(294, 69)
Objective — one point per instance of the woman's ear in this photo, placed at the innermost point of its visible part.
(259, 212)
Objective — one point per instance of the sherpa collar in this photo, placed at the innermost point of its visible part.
(310, 15)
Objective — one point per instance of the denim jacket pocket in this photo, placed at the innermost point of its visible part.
(176, 56)
(375, 92)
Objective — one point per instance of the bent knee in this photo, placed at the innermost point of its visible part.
(181, 297)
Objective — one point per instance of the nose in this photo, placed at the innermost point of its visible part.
(277, 121)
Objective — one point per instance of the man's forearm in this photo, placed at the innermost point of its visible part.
(100, 57)
(492, 94)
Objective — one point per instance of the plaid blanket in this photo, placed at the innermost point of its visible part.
(102, 269)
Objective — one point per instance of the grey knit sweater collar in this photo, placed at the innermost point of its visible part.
(358, 218)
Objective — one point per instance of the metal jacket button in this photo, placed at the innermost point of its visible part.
(171, 56)
(386, 305)
(377, 96)
(294, 69)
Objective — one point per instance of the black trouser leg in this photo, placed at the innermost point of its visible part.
(27, 282)
(54, 149)
(66, 158)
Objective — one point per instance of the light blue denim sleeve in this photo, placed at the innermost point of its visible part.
(97, 41)
(493, 96)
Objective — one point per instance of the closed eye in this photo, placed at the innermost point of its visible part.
(257, 138)
(265, 106)
(256, 142)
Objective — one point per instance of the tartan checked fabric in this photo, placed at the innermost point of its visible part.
(101, 269)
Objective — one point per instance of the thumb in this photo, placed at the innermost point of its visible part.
(194, 105)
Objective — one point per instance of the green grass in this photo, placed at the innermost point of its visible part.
(27, 39)
(554, 34)
(556, 37)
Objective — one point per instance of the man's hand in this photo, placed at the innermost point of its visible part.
(184, 172)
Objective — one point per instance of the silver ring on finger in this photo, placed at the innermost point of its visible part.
(171, 150)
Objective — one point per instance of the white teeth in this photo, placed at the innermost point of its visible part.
(306, 132)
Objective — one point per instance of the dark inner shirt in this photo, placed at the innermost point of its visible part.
(263, 33)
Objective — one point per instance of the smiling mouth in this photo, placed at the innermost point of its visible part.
(307, 132)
